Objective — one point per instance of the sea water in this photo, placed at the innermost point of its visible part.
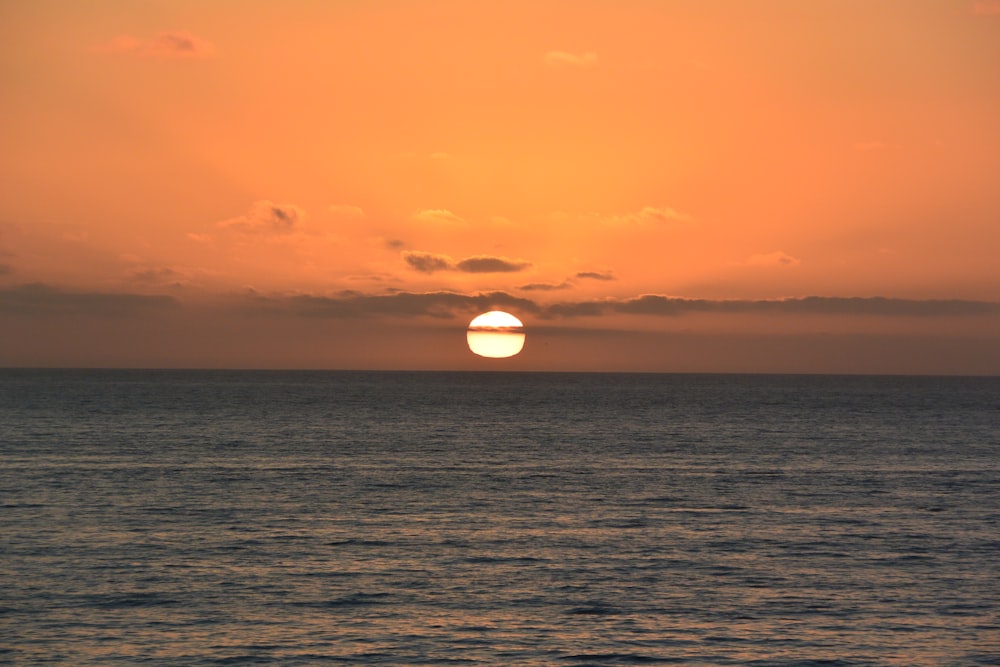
(299, 518)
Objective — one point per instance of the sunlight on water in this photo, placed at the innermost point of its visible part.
(399, 518)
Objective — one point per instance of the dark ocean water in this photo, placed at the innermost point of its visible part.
(207, 518)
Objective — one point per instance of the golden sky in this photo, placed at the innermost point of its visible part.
(689, 185)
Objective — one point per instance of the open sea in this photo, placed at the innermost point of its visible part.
(391, 518)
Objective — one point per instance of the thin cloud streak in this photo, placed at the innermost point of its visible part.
(665, 306)
(41, 299)
(545, 287)
(437, 216)
(487, 264)
(426, 262)
(651, 216)
(266, 217)
(179, 44)
(557, 59)
(596, 275)
(773, 259)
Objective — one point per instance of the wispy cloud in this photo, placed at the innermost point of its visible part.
(557, 59)
(347, 211)
(437, 215)
(595, 275)
(427, 262)
(155, 275)
(266, 217)
(773, 259)
(169, 44)
(545, 287)
(649, 216)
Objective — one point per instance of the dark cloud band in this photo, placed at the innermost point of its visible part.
(39, 299)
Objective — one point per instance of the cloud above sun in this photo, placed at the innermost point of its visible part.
(545, 287)
(347, 211)
(650, 216)
(488, 264)
(168, 44)
(426, 262)
(559, 59)
(773, 259)
(437, 215)
(596, 275)
(266, 217)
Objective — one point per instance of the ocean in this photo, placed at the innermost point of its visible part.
(439, 518)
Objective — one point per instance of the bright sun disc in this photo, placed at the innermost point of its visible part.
(496, 335)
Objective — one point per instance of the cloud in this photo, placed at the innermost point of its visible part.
(650, 215)
(487, 264)
(394, 244)
(178, 44)
(169, 44)
(40, 299)
(6, 269)
(427, 262)
(545, 287)
(986, 8)
(266, 217)
(449, 304)
(666, 306)
(157, 275)
(347, 211)
(559, 59)
(773, 259)
(595, 275)
(437, 216)
(443, 305)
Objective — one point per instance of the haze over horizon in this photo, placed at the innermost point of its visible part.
(685, 185)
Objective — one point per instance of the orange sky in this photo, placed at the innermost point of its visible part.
(690, 185)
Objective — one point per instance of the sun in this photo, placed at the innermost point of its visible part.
(496, 335)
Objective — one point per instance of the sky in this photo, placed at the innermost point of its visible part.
(649, 185)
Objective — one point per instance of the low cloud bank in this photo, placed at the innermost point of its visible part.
(41, 298)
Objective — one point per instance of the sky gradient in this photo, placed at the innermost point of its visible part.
(672, 185)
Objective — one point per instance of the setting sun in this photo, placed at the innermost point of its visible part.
(496, 334)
